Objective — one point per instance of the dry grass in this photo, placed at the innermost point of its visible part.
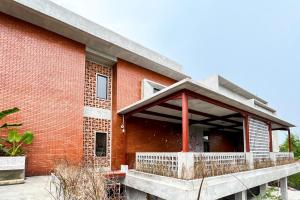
(156, 168)
(207, 169)
(73, 182)
(285, 161)
(263, 163)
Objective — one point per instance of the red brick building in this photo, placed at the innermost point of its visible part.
(52, 77)
(88, 95)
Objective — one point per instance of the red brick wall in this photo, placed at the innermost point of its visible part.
(145, 135)
(42, 73)
(127, 80)
(92, 125)
(225, 142)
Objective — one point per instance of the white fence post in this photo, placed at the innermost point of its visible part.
(250, 160)
(186, 165)
(273, 157)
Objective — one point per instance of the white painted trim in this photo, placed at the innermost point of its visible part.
(146, 84)
(97, 113)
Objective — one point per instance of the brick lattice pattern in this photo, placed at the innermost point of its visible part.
(91, 125)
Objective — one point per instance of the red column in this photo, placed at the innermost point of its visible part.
(290, 144)
(185, 123)
(247, 135)
(270, 137)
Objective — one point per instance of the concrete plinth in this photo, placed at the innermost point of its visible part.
(241, 195)
(135, 194)
(263, 189)
(284, 188)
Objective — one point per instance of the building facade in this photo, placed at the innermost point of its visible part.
(92, 96)
(53, 80)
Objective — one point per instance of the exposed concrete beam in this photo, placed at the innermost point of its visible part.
(174, 107)
(100, 58)
(52, 17)
(225, 118)
(217, 126)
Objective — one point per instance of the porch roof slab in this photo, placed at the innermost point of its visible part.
(197, 88)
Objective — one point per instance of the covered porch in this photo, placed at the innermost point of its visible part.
(206, 127)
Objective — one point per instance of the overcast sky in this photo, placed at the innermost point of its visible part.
(255, 44)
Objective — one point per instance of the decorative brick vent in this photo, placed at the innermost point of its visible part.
(259, 138)
(93, 125)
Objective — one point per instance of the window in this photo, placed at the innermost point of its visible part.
(155, 90)
(101, 87)
(100, 144)
(149, 88)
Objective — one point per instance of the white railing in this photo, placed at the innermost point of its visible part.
(261, 155)
(169, 161)
(283, 155)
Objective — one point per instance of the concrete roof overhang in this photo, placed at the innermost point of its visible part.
(55, 18)
(208, 94)
(228, 84)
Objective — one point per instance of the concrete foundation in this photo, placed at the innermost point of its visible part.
(135, 194)
(241, 195)
(263, 189)
(213, 187)
(284, 188)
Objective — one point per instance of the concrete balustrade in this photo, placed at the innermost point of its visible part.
(182, 164)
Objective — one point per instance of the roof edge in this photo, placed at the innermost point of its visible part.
(62, 21)
(225, 99)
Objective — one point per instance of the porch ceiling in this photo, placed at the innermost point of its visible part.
(206, 106)
(202, 113)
